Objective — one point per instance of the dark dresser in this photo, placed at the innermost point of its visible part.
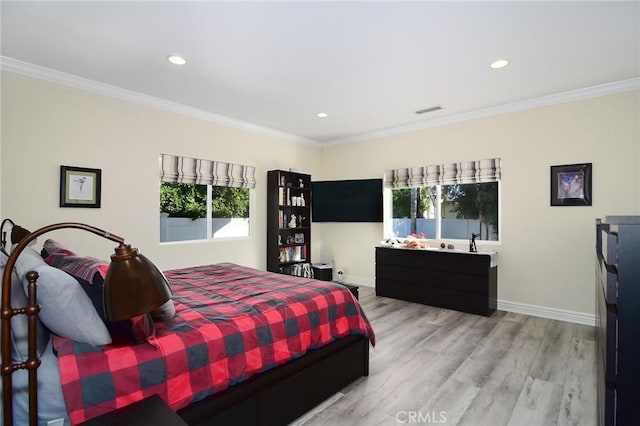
(451, 279)
(618, 319)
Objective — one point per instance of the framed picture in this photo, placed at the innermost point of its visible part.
(80, 187)
(299, 238)
(571, 185)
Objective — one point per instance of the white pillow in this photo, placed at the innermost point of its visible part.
(28, 260)
(65, 307)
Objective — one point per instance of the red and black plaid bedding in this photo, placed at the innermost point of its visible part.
(231, 323)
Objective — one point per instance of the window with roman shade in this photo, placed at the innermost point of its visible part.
(444, 201)
(204, 199)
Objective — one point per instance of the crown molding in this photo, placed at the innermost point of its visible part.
(532, 103)
(70, 80)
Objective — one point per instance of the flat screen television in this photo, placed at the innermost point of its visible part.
(358, 200)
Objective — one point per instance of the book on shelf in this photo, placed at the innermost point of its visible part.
(284, 196)
(293, 254)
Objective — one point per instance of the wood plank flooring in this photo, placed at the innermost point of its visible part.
(438, 366)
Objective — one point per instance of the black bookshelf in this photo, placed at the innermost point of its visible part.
(289, 222)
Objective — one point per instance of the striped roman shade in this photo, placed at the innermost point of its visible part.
(444, 174)
(177, 169)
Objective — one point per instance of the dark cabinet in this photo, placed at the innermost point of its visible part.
(289, 223)
(618, 319)
(450, 279)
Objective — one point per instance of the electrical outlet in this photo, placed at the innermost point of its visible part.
(340, 275)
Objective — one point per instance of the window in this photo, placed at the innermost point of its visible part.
(204, 200)
(446, 211)
(184, 215)
(444, 201)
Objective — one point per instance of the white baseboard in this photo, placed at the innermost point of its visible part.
(545, 312)
(515, 307)
(365, 282)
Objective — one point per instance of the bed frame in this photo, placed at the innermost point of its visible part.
(280, 395)
(274, 397)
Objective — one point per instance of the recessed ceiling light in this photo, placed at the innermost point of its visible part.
(176, 60)
(500, 63)
(322, 115)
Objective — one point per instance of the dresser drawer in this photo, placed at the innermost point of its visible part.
(451, 261)
(410, 258)
(401, 290)
(609, 244)
(457, 282)
(610, 283)
(608, 338)
(400, 273)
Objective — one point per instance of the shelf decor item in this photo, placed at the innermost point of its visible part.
(571, 185)
(80, 187)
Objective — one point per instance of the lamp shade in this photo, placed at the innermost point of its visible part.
(18, 233)
(133, 285)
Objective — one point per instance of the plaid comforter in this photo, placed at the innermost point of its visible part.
(231, 322)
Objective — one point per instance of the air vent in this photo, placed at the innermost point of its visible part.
(433, 108)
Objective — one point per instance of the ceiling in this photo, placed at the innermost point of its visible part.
(369, 65)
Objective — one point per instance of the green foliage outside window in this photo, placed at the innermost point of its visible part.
(189, 200)
(403, 199)
(411, 203)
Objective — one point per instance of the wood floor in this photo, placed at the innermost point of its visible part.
(438, 366)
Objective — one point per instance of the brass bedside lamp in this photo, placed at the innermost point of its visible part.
(133, 286)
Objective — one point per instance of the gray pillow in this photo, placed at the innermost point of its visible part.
(19, 323)
(65, 307)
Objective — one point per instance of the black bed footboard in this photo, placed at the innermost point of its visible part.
(283, 394)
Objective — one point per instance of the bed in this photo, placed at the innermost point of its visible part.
(245, 347)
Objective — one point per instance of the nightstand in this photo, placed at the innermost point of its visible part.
(152, 411)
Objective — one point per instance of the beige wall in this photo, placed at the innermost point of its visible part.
(45, 125)
(546, 253)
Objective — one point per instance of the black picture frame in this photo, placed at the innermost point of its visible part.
(80, 187)
(571, 185)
